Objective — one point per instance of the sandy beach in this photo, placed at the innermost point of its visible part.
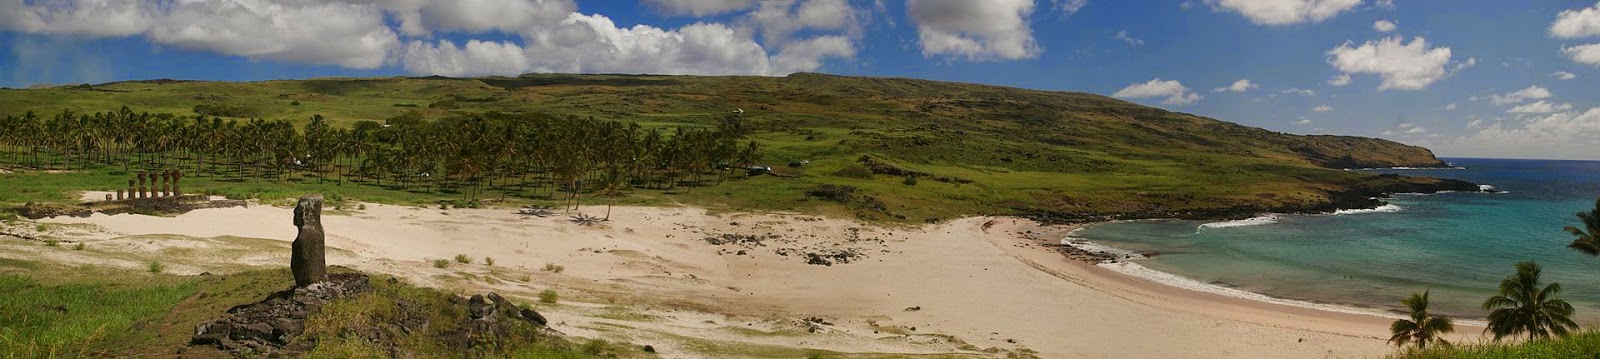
(981, 286)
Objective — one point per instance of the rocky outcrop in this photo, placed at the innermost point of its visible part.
(308, 259)
(269, 326)
(1361, 152)
(1366, 193)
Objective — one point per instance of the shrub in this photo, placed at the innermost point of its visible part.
(832, 192)
(52, 242)
(78, 247)
(441, 263)
(547, 296)
(910, 181)
(41, 227)
(361, 207)
(488, 261)
(444, 205)
(552, 267)
(294, 103)
(854, 171)
(156, 267)
(464, 259)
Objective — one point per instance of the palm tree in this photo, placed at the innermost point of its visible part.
(1588, 240)
(1421, 328)
(1521, 306)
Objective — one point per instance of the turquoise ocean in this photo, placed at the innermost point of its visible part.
(1457, 245)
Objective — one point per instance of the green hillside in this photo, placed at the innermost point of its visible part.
(976, 149)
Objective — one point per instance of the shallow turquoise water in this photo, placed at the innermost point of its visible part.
(1459, 245)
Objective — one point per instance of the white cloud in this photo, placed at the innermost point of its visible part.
(1540, 107)
(539, 35)
(1475, 124)
(699, 8)
(1450, 107)
(1299, 91)
(1384, 26)
(1068, 6)
(1563, 75)
(1571, 24)
(1341, 80)
(1415, 130)
(1303, 121)
(1567, 134)
(1531, 93)
(1173, 91)
(1401, 65)
(974, 30)
(1583, 54)
(1286, 12)
(1238, 86)
(1323, 108)
(1123, 35)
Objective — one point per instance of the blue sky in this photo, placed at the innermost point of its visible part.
(1466, 78)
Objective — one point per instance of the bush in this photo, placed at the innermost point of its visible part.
(488, 261)
(41, 227)
(552, 267)
(910, 181)
(547, 296)
(361, 207)
(78, 247)
(441, 263)
(294, 103)
(52, 242)
(854, 171)
(832, 192)
(464, 259)
(156, 267)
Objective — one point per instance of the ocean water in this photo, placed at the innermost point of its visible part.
(1458, 245)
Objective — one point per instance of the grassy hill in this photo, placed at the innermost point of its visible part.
(979, 149)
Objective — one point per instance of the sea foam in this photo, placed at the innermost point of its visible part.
(1252, 221)
(1387, 208)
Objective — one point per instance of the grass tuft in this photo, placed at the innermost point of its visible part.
(548, 296)
(52, 242)
(464, 259)
(156, 267)
(552, 267)
(488, 261)
(441, 263)
(78, 247)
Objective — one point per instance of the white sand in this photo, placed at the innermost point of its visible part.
(980, 285)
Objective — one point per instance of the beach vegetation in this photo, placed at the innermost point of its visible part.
(1582, 344)
(463, 259)
(441, 263)
(1522, 307)
(156, 267)
(1588, 240)
(548, 296)
(1421, 328)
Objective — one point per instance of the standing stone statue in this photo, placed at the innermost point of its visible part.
(143, 191)
(131, 195)
(176, 174)
(308, 258)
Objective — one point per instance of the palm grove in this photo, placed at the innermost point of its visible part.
(1521, 306)
(534, 154)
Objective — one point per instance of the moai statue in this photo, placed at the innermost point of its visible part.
(144, 192)
(108, 197)
(166, 183)
(176, 174)
(131, 193)
(307, 257)
(120, 194)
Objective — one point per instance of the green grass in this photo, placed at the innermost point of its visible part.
(1585, 344)
(1023, 151)
(72, 319)
(156, 267)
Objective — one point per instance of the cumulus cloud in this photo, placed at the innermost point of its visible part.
(1401, 65)
(1285, 12)
(699, 7)
(1566, 134)
(1303, 121)
(1540, 107)
(1237, 86)
(1583, 54)
(1571, 24)
(1340, 80)
(1123, 36)
(540, 35)
(974, 30)
(1172, 92)
(1563, 75)
(1384, 26)
(1323, 108)
(1531, 93)
(1068, 6)
(1450, 107)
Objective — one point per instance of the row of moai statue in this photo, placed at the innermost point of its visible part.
(168, 186)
